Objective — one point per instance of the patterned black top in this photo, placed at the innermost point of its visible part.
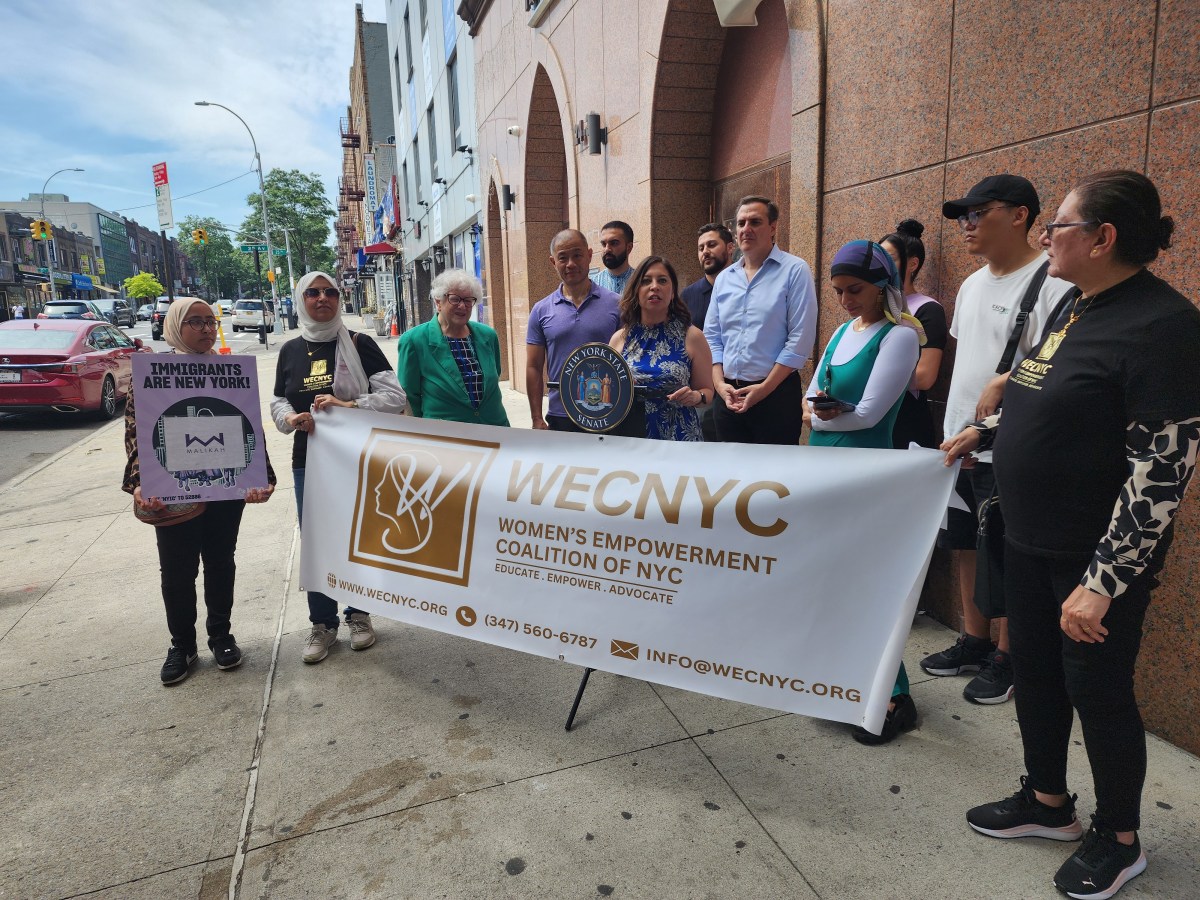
(463, 352)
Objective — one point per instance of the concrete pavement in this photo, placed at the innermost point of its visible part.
(432, 766)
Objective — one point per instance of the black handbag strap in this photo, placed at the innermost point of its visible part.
(1028, 301)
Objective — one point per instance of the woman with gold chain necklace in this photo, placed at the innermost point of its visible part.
(328, 366)
(1093, 450)
(859, 386)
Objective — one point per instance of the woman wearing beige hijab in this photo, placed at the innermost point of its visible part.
(209, 534)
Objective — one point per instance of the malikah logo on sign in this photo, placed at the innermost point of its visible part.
(414, 511)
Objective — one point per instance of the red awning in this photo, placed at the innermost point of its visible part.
(380, 249)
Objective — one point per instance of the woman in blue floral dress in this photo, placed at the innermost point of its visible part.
(670, 359)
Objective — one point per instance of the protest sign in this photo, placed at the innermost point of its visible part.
(786, 577)
(199, 426)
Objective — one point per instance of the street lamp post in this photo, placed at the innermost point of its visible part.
(50, 246)
(262, 196)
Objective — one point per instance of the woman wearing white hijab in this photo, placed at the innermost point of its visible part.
(328, 366)
(210, 533)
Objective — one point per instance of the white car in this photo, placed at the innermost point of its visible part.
(248, 315)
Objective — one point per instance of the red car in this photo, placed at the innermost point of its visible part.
(65, 365)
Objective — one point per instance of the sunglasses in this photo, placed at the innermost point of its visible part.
(331, 293)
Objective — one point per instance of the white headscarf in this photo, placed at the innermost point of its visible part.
(349, 378)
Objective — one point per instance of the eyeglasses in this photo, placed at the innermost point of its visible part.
(1050, 227)
(972, 218)
(461, 301)
(331, 293)
(200, 324)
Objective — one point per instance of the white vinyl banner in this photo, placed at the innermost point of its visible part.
(786, 577)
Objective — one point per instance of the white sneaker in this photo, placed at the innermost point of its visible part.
(316, 648)
(362, 634)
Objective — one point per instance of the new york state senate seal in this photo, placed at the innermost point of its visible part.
(596, 388)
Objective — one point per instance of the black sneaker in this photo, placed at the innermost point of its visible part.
(994, 683)
(226, 652)
(969, 654)
(902, 718)
(1101, 866)
(177, 666)
(1023, 815)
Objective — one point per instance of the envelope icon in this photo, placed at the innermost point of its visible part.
(623, 649)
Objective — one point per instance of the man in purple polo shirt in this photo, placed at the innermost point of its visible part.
(579, 312)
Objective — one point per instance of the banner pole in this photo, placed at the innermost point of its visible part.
(587, 673)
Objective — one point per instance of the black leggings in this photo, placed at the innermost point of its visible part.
(211, 536)
(1053, 675)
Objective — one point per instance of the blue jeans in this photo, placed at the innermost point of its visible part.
(322, 610)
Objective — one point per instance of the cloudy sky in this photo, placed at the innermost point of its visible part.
(116, 83)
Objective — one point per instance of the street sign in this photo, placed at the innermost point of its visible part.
(280, 251)
(162, 196)
(250, 248)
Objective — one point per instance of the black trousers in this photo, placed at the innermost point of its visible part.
(1054, 675)
(211, 537)
(778, 419)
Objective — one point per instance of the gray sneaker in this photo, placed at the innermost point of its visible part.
(362, 634)
(316, 648)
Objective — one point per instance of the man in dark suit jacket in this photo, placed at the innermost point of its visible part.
(715, 252)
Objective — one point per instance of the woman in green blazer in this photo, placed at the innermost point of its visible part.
(450, 366)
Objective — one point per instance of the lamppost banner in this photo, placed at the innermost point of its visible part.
(785, 577)
(199, 426)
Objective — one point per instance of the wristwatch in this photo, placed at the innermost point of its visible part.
(354, 404)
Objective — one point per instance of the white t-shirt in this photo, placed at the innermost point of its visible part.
(984, 314)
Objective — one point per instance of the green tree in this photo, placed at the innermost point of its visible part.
(219, 262)
(297, 202)
(143, 286)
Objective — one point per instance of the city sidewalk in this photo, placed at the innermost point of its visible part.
(433, 766)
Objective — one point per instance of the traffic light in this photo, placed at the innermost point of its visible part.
(41, 230)
(195, 235)
(201, 236)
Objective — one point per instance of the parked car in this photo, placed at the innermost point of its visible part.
(117, 312)
(248, 314)
(226, 307)
(161, 305)
(72, 309)
(65, 365)
(145, 311)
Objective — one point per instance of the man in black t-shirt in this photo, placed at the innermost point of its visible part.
(715, 251)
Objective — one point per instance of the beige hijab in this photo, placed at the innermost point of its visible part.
(173, 323)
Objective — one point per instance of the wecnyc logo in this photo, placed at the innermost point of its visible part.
(596, 387)
(414, 511)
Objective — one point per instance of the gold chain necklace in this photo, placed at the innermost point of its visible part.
(1054, 340)
(311, 351)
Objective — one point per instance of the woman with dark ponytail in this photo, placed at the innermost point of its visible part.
(1099, 438)
(914, 423)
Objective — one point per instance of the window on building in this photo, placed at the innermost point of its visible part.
(424, 16)
(408, 43)
(399, 83)
(434, 169)
(407, 192)
(416, 158)
(456, 136)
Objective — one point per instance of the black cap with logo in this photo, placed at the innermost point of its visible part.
(1008, 188)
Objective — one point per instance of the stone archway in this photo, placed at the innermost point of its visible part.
(497, 277)
(546, 203)
(692, 102)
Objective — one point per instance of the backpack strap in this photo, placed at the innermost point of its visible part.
(1028, 302)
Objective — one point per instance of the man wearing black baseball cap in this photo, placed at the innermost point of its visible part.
(995, 217)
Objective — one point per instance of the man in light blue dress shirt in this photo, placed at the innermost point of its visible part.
(616, 243)
(761, 326)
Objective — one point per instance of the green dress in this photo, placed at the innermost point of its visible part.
(850, 380)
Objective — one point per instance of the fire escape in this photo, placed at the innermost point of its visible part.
(350, 197)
